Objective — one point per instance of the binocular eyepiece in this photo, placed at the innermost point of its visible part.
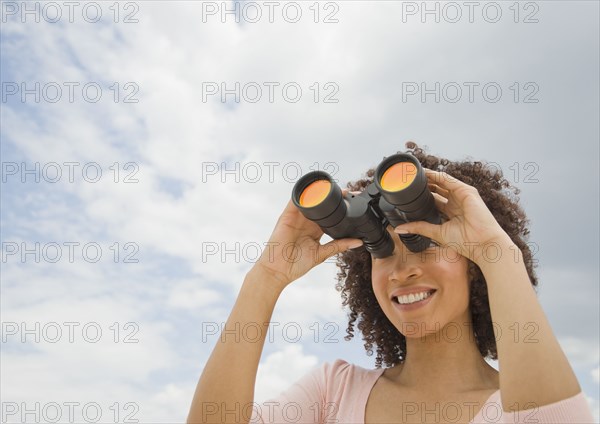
(398, 194)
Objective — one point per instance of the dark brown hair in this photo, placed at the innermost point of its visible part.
(354, 276)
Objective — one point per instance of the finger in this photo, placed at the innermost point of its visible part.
(346, 191)
(434, 188)
(423, 228)
(441, 203)
(443, 180)
(334, 247)
(290, 209)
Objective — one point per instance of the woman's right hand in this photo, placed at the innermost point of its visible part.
(294, 247)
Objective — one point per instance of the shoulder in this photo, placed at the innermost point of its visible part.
(342, 366)
(343, 373)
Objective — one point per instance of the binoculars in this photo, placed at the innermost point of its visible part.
(398, 194)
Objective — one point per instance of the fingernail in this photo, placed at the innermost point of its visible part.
(400, 231)
(356, 244)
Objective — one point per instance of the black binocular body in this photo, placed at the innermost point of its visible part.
(398, 194)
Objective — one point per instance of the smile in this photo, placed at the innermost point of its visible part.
(413, 300)
(413, 297)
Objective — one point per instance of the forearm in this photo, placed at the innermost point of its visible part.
(533, 369)
(227, 381)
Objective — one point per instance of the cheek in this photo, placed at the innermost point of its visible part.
(379, 282)
(455, 276)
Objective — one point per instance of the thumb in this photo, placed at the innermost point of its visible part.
(337, 246)
(423, 228)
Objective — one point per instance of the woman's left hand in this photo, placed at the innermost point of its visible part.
(470, 228)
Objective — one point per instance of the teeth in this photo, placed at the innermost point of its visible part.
(412, 298)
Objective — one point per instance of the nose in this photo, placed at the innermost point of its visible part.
(405, 265)
(404, 270)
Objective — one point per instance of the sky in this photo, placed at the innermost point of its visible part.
(148, 149)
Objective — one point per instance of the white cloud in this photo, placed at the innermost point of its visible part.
(280, 370)
(171, 403)
(594, 406)
(188, 295)
(581, 352)
(175, 212)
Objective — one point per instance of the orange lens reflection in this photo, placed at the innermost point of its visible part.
(398, 176)
(314, 193)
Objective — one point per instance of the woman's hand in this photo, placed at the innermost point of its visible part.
(471, 228)
(294, 247)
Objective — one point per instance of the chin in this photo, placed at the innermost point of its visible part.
(418, 328)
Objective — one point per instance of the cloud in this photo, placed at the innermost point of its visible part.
(188, 295)
(281, 369)
(594, 406)
(179, 211)
(580, 351)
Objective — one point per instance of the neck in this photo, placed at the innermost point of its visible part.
(447, 360)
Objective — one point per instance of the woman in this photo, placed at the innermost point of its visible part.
(434, 316)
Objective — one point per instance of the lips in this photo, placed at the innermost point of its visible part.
(413, 298)
(408, 290)
(415, 305)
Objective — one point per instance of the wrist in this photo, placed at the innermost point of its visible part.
(500, 251)
(263, 280)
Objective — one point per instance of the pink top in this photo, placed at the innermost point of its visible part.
(338, 393)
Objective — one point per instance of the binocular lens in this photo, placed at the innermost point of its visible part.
(405, 196)
(398, 176)
(314, 193)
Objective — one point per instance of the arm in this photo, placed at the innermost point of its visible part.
(226, 386)
(227, 381)
(531, 370)
(538, 372)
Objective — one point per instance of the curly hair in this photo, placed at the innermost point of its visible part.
(354, 276)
